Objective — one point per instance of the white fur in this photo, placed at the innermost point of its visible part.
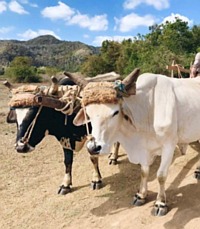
(21, 114)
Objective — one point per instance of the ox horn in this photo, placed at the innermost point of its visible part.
(77, 79)
(110, 77)
(129, 81)
(8, 85)
(54, 86)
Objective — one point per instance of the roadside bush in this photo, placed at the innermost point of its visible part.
(23, 74)
(21, 71)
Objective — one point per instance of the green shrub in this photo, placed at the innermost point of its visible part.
(21, 71)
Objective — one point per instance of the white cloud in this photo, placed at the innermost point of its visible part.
(99, 39)
(61, 11)
(33, 5)
(157, 4)
(23, 1)
(2, 6)
(73, 17)
(132, 21)
(172, 18)
(30, 34)
(86, 36)
(96, 23)
(14, 6)
(28, 3)
(4, 30)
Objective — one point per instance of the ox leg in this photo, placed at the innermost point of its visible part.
(140, 197)
(96, 177)
(197, 171)
(67, 180)
(114, 154)
(160, 206)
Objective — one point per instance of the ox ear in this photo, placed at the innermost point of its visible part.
(130, 80)
(79, 118)
(11, 117)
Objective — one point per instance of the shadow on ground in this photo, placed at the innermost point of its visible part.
(125, 184)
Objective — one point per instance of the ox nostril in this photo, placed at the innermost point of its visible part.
(23, 148)
(93, 149)
(97, 148)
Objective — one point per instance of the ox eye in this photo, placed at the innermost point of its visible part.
(115, 113)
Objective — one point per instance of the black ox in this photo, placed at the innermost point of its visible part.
(59, 125)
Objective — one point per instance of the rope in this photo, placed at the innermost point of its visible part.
(31, 126)
(86, 120)
(69, 98)
(120, 88)
(67, 109)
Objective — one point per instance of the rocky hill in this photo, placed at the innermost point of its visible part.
(47, 51)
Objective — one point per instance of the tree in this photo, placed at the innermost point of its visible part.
(110, 52)
(196, 38)
(21, 70)
(128, 58)
(93, 66)
(167, 42)
(176, 36)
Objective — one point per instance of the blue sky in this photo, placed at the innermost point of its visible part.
(90, 21)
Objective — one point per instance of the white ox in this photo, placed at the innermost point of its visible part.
(162, 113)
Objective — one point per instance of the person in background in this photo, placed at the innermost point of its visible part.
(195, 68)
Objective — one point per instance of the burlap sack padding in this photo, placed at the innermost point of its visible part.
(23, 96)
(23, 100)
(99, 92)
(25, 88)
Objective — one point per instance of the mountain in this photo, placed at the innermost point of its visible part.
(47, 51)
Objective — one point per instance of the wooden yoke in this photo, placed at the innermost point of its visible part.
(49, 102)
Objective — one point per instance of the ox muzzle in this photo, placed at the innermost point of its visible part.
(93, 148)
(23, 147)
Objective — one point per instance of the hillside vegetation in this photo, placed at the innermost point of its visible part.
(165, 43)
(46, 51)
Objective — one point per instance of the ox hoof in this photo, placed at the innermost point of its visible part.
(96, 185)
(63, 190)
(113, 162)
(138, 201)
(197, 174)
(160, 209)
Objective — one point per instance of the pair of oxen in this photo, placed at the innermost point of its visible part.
(147, 120)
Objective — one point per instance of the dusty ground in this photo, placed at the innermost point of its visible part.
(29, 184)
